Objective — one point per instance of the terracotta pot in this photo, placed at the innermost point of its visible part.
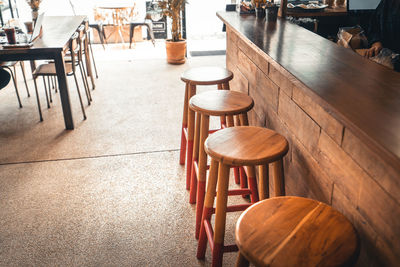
(176, 51)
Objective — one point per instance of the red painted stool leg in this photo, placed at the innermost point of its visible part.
(191, 122)
(243, 179)
(189, 163)
(236, 174)
(217, 255)
(195, 158)
(202, 175)
(184, 125)
(252, 184)
(220, 214)
(193, 185)
(200, 204)
(208, 207)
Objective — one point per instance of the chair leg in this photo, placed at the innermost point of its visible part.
(100, 33)
(104, 35)
(151, 34)
(94, 62)
(86, 73)
(45, 90)
(23, 74)
(131, 30)
(15, 85)
(52, 82)
(48, 82)
(80, 97)
(37, 99)
(85, 82)
(55, 84)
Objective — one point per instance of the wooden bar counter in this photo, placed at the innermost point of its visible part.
(341, 115)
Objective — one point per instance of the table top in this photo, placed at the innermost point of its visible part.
(57, 31)
(363, 95)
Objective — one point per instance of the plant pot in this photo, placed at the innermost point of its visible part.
(35, 14)
(272, 13)
(260, 12)
(176, 51)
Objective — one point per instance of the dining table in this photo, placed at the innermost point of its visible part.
(52, 45)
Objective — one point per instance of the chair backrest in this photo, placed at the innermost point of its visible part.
(73, 44)
(81, 40)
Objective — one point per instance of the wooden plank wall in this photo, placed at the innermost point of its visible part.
(326, 160)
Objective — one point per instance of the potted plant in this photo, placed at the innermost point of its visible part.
(176, 46)
(34, 4)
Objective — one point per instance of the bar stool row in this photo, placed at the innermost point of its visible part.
(246, 149)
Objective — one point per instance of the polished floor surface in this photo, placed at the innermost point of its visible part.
(110, 192)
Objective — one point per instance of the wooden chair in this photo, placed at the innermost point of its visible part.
(10, 67)
(295, 231)
(225, 103)
(237, 146)
(193, 77)
(49, 69)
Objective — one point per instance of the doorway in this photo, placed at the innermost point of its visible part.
(204, 28)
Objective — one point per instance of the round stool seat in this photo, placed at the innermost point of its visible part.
(221, 102)
(295, 231)
(246, 145)
(207, 76)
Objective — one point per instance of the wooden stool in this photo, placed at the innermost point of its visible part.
(237, 146)
(193, 77)
(212, 103)
(295, 231)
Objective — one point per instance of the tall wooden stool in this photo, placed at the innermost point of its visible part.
(193, 77)
(237, 146)
(213, 103)
(295, 231)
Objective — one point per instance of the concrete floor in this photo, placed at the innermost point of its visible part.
(110, 192)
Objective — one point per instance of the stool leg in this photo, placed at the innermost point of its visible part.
(279, 178)
(223, 120)
(208, 208)
(236, 120)
(201, 187)
(244, 119)
(251, 179)
(184, 125)
(195, 157)
(226, 86)
(220, 214)
(263, 181)
(241, 261)
(189, 152)
(236, 174)
(230, 123)
(243, 178)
